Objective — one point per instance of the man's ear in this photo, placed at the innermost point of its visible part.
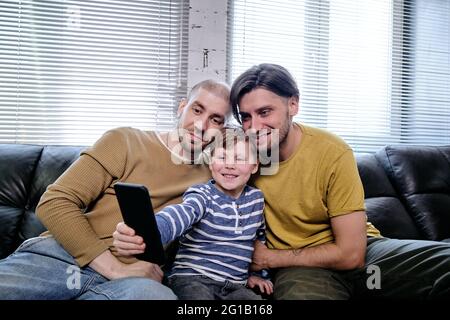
(181, 106)
(210, 163)
(293, 105)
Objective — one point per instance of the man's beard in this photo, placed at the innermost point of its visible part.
(269, 155)
(277, 138)
(191, 147)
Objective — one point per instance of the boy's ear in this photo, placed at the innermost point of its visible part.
(209, 157)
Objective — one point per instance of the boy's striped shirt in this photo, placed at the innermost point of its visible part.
(216, 231)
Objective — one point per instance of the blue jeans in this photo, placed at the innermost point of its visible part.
(41, 269)
(202, 288)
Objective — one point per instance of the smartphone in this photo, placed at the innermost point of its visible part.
(137, 212)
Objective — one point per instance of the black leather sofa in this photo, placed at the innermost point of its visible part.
(25, 173)
(407, 190)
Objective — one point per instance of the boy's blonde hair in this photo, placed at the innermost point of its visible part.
(227, 138)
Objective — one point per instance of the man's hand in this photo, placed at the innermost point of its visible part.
(265, 286)
(140, 269)
(126, 241)
(261, 255)
(127, 244)
(111, 268)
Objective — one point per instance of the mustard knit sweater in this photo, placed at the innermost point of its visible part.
(80, 209)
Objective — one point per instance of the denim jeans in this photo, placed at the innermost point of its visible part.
(395, 269)
(41, 269)
(204, 288)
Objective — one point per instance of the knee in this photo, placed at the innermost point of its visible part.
(303, 283)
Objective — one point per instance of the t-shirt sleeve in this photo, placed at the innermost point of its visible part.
(345, 192)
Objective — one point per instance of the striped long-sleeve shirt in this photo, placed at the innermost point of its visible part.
(216, 232)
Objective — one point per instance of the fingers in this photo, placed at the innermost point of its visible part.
(261, 286)
(269, 287)
(124, 229)
(127, 253)
(142, 269)
(128, 245)
(136, 240)
(264, 286)
(156, 273)
(128, 248)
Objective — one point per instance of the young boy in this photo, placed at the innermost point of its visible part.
(217, 224)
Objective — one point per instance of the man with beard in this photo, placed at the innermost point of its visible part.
(80, 209)
(319, 243)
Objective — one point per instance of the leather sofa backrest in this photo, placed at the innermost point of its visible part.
(17, 166)
(383, 206)
(53, 162)
(407, 189)
(421, 177)
(25, 173)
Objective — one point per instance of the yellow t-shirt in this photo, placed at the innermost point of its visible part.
(317, 182)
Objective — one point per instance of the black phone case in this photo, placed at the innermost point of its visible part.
(137, 211)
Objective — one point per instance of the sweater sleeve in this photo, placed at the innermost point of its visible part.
(345, 192)
(174, 220)
(61, 208)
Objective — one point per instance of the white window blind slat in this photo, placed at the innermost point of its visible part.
(373, 72)
(70, 70)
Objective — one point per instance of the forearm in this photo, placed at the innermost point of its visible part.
(328, 256)
(107, 265)
(347, 251)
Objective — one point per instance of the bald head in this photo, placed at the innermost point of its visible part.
(219, 89)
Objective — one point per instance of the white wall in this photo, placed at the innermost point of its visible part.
(207, 40)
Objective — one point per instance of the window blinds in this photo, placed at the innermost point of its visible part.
(375, 72)
(70, 70)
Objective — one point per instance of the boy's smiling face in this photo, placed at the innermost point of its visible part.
(232, 167)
